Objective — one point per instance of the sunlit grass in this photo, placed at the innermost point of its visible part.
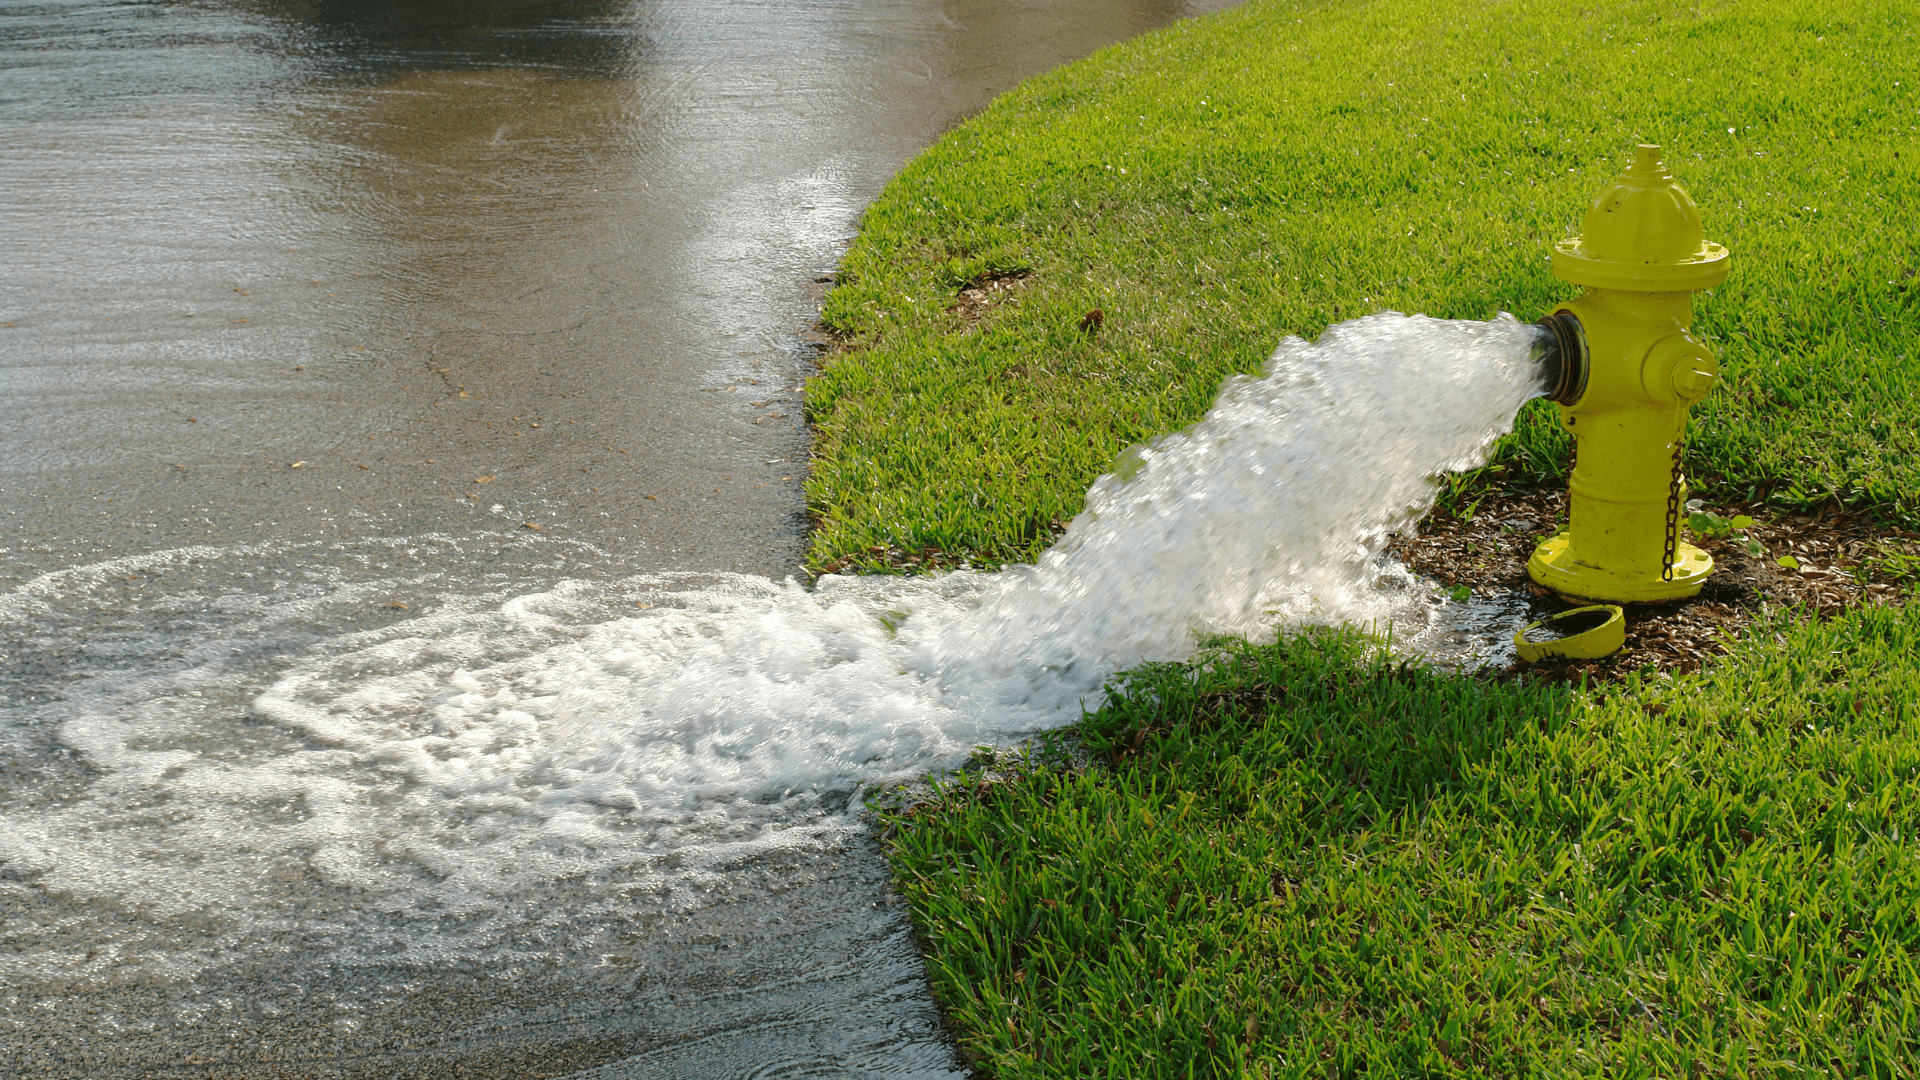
(1303, 858)
(1310, 860)
(1282, 166)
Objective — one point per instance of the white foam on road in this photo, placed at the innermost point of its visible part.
(268, 769)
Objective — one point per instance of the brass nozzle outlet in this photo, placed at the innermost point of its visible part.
(1564, 362)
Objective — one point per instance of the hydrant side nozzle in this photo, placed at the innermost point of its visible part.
(1679, 369)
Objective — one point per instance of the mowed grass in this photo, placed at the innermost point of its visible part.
(1311, 860)
(1282, 166)
(1304, 857)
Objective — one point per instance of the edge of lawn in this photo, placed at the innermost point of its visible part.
(1077, 268)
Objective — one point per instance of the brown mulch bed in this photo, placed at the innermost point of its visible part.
(1836, 551)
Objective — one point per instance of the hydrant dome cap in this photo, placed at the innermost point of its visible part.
(1642, 234)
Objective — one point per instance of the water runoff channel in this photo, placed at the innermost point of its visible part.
(338, 771)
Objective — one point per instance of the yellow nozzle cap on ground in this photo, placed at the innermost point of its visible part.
(1642, 235)
(1584, 633)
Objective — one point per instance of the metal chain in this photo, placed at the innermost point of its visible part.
(1673, 509)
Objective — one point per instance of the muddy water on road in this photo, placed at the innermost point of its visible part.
(319, 318)
(321, 271)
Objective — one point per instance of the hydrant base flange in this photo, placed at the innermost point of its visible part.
(1553, 567)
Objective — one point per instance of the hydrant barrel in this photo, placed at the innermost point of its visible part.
(1641, 257)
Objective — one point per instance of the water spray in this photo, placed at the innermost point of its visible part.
(1625, 371)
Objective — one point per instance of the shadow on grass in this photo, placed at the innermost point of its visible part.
(1311, 858)
(1377, 732)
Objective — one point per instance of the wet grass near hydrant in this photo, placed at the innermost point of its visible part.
(1309, 859)
(1303, 857)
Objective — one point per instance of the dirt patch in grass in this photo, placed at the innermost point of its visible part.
(1843, 560)
(984, 294)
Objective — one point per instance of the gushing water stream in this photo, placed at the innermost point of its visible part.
(540, 782)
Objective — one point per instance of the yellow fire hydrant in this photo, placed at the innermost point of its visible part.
(1629, 373)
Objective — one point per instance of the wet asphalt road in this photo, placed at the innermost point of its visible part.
(332, 270)
(524, 288)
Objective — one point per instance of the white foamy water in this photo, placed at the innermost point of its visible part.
(1272, 510)
(258, 755)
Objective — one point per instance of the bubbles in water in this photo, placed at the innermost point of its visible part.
(268, 773)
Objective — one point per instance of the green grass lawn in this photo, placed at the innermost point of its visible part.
(1311, 860)
(1279, 167)
(1299, 858)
